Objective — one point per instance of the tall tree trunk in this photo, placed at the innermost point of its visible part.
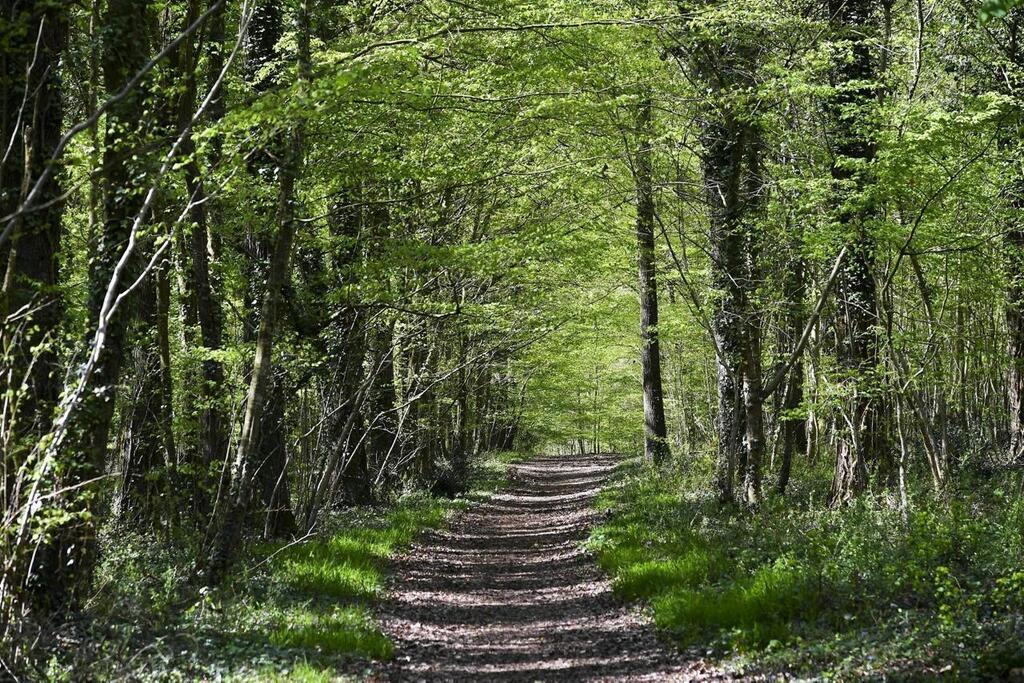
(855, 23)
(380, 406)
(146, 445)
(415, 447)
(723, 165)
(354, 484)
(752, 198)
(753, 401)
(462, 449)
(656, 448)
(68, 564)
(733, 190)
(1014, 312)
(272, 471)
(229, 527)
(794, 428)
(30, 128)
(31, 117)
(200, 285)
(268, 450)
(1013, 245)
(355, 481)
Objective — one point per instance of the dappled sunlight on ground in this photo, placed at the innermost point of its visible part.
(509, 594)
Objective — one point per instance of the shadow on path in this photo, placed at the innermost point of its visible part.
(508, 594)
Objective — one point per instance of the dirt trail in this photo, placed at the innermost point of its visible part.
(507, 594)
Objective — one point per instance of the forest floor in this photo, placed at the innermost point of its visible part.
(507, 592)
(577, 568)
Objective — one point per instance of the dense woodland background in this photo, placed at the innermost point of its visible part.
(265, 261)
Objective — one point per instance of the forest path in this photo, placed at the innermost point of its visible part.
(506, 593)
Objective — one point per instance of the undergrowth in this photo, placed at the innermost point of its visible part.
(865, 591)
(300, 612)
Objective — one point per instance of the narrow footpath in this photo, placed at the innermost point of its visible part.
(506, 593)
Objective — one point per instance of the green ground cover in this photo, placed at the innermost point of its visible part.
(867, 591)
(299, 612)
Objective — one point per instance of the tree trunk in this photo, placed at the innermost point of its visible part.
(200, 284)
(754, 414)
(32, 118)
(1014, 266)
(355, 483)
(858, 315)
(229, 528)
(380, 406)
(146, 443)
(67, 563)
(29, 261)
(656, 448)
(268, 448)
(462, 450)
(794, 428)
(725, 145)
(272, 452)
(733, 190)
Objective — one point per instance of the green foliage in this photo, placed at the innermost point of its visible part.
(301, 673)
(754, 610)
(996, 9)
(487, 171)
(136, 572)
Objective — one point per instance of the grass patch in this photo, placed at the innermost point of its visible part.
(349, 565)
(757, 610)
(320, 589)
(339, 631)
(303, 672)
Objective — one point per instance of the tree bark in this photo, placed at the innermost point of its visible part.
(30, 128)
(794, 428)
(1013, 249)
(725, 154)
(200, 285)
(858, 317)
(754, 414)
(656, 448)
(382, 399)
(68, 563)
(146, 441)
(733, 190)
(272, 452)
(353, 482)
(146, 447)
(229, 528)
(31, 118)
